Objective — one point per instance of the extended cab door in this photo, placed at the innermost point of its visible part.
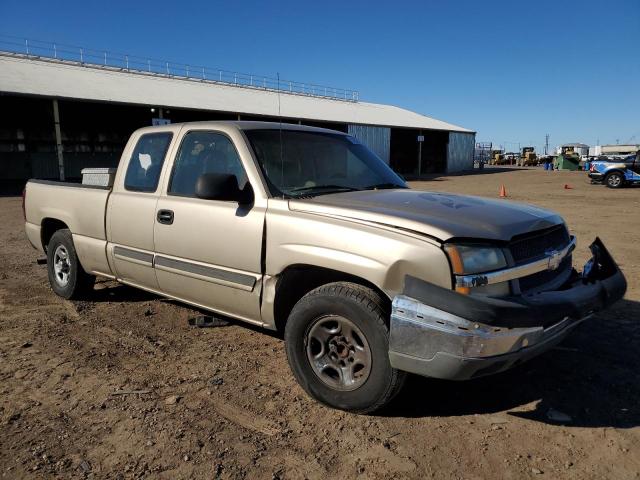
(132, 207)
(208, 252)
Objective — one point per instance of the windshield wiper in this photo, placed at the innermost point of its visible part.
(382, 186)
(318, 189)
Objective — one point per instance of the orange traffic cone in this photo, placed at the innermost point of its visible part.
(503, 192)
(568, 187)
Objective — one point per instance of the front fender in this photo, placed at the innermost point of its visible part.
(378, 254)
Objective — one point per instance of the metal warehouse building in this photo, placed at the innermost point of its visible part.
(62, 113)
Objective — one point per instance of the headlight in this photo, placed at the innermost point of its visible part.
(470, 259)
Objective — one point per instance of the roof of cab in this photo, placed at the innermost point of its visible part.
(245, 125)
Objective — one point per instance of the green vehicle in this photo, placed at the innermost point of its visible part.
(568, 159)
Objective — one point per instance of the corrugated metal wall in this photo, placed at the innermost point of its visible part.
(460, 151)
(378, 139)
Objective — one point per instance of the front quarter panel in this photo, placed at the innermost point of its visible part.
(379, 254)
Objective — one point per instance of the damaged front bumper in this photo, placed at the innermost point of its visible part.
(440, 333)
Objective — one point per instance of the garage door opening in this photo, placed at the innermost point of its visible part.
(406, 157)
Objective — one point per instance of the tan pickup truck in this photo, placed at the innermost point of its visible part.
(304, 230)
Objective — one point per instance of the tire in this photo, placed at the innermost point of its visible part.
(614, 180)
(343, 326)
(66, 276)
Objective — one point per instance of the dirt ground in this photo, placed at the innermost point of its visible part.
(221, 402)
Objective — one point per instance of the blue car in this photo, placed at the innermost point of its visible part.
(616, 174)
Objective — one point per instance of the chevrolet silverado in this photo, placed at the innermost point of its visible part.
(304, 230)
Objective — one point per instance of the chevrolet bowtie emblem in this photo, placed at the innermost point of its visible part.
(555, 258)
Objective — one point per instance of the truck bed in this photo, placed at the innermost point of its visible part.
(81, 207)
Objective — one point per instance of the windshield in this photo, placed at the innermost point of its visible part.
(302, 163)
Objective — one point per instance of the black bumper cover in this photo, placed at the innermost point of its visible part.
(601, 284)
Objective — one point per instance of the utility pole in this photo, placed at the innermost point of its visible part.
(546, 144)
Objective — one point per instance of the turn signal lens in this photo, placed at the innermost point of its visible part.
(456, 260)
(456, 265)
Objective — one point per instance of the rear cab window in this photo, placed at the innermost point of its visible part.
(145, 164)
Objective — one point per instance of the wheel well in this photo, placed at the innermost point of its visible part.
(48, 228)
(614, 171)
(298, 280)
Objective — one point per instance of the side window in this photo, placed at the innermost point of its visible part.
(146, 162)
(204, 152)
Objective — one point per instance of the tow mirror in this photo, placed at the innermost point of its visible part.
(224, 187)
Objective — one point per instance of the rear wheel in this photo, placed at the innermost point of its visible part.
(614, 180)
(337, 343)
(66, 276)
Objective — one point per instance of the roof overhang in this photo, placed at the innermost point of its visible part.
(61, 79)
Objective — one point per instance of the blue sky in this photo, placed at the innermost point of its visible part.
(512, 70)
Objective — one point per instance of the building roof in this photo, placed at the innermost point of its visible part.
(619, 148)
(576, 145)
(64, 79)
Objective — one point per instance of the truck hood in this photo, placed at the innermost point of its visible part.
(440, 215)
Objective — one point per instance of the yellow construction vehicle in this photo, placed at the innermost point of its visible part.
(497, 157)
(528, 157)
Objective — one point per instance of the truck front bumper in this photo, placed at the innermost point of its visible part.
(439, 333)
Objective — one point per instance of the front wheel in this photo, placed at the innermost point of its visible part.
(614, 180)
(337, 343)
(66, 276)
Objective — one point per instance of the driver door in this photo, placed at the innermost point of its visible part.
(208, 252)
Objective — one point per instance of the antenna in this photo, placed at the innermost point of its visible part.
(281, 146)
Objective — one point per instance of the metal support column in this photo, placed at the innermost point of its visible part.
(56, 122)
(420, 154)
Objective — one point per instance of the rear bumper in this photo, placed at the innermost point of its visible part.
(475, 336)
(596, 176)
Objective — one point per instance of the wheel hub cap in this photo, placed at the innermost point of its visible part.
(338, 352)
(61, 265)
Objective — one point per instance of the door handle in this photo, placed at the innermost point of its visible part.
(165, 217)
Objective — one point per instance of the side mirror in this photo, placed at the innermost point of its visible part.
(224, 187)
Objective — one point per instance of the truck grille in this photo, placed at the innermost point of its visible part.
(546, 276)
(533, 246)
